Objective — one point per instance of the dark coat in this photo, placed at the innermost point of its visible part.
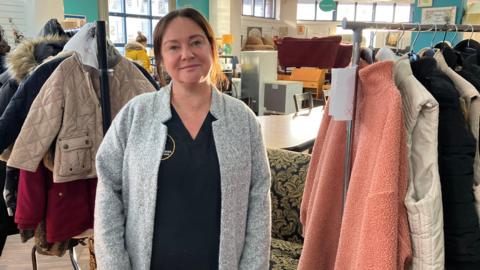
(456, 153)
(7, 226)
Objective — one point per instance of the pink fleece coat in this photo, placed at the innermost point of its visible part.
(374, 232)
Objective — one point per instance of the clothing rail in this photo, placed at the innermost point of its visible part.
(103, 68)
(357, 28)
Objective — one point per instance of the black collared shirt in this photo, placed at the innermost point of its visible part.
(187, 215)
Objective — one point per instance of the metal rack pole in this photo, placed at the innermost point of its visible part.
(103, 68)
(357, 40)
(411, 26)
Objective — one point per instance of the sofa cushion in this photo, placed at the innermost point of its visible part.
(284, 255)
(289, 170)
(268, 41)
(252, 40)
(258, 48)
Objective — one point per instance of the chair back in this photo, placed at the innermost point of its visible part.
(303, 101)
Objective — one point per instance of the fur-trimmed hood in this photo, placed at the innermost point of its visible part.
(31, 53)
(134, 46)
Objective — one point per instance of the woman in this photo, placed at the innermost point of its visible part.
(136, 51)
(183, 176)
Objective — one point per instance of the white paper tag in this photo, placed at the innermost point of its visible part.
(275, 86)
(341, 93)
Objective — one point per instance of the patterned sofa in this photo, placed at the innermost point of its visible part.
(289, 170)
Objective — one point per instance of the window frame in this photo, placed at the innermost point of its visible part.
(252, 9)
(374, 9)
(124, 15)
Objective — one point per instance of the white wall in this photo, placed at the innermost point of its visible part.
(38, 12)
(16, 11)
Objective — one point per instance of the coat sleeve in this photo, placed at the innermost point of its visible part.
(41, 125)
(145, 61)
(7, 93)
(256, 251)
(109, 227)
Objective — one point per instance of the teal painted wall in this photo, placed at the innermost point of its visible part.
(201, 5)
(88, 8)
(425, 38)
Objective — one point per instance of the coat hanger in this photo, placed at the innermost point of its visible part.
(434, 35)
(471, 35)
(442, 44)
(412, 55)
(373, 37)
(400, 39)
(455, 35)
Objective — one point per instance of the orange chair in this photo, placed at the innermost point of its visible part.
(312, 78)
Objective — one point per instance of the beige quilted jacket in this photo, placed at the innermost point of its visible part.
(67, 114)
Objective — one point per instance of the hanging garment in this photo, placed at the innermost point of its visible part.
(16, 112)
(4, 49)
(67, 208)
(67, 110)
(424, 198)
(23, 60)
(10, 189)
(456, 153)
(471, 98)
(7, 225)
(321, 208)
(467, 47)
(374, 231)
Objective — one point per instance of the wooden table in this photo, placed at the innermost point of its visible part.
(295, 132)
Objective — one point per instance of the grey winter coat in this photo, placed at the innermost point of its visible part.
(127, 165)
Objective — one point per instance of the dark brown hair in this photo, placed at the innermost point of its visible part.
(216, 76)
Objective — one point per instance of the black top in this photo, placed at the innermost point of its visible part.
(187, 215)
(456, 154)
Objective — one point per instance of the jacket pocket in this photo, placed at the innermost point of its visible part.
(75, 155)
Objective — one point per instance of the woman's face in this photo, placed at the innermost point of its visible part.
(186, 52)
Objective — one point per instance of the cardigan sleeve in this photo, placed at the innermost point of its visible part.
(110, 212)
(256, 251)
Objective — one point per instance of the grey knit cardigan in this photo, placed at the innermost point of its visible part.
(127, 164)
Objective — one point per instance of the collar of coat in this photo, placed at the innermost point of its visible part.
(216, 107)
(136, 46)
(21, 61)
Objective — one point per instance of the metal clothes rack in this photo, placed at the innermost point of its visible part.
(105, 103)
(357, 28)
(103, 68)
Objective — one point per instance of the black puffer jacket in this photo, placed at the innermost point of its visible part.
(7, 224)
(456, 153)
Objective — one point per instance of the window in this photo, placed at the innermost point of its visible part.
(364, 13)
(384, 13)
(309, 10)
(345, 11)
(259, 8)
(127, 17)
(402, 13)
(306, 9)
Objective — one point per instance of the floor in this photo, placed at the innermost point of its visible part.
(16, 256)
